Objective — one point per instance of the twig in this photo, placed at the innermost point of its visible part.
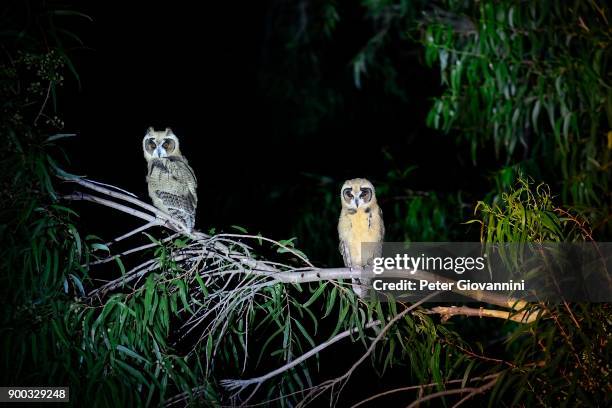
(258, 237)
(343, 378)
(448, 312)
(128, 277)
(116, 194)
(472, 392)
(131, 198)
(42, 107)
(420, 387)
(129, 251)
(76, 196)
(242, 384)
(132, 232)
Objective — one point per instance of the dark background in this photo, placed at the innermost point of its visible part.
(208, 75)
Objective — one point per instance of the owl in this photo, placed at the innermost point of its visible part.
(172, 183)
(360, 221)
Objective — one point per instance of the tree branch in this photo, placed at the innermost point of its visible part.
(343, 378)
(79, 196)
(472, 392)
(116, 194)
(240, 385)
(420, 387)
(448, 312)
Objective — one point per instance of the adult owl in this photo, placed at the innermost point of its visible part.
(360, 222)
(172, 183)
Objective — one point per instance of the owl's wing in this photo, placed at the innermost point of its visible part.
(181, 171)
(382, 224)
(377, 249)
(346, 256)
(356, 284)
(172, 186)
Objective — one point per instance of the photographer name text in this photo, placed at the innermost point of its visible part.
(421, 284)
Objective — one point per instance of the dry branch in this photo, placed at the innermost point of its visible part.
(421, 387)
(471, 391)
(446, 312)
(343, 379)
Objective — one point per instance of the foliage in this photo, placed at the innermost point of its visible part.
(560, 360)
(41, 247)
(540, 96)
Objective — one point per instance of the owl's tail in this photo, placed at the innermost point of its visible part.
(183, 216)
(361, 286)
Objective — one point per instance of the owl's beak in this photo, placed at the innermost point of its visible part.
(158, 152)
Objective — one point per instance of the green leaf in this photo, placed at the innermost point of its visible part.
(132, 354)
(59, 136)
(239, 228)
(315, 295)
(78, 284)
(132, 371)
(101, 247)
(331, 302)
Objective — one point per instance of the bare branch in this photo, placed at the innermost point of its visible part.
(132, 232)
(130, 251)
(448, 312)
(76, 196)
(242, 384)
(258, 237)
(111, 186)
(134, 273)
(344, 378)
(95, 186)
(131, 198)
(44, 104)
(421, 387)
(472, 392)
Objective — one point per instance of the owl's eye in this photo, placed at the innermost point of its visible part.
(348, 193)
(151, 144)
(165, 145)
(366, 193)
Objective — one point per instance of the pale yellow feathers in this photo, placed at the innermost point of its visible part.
(360, 222)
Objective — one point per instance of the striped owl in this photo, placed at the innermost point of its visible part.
(360, 221)
(172, 183)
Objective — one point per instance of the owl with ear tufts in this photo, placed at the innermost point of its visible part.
(172, 183)
(360, 222)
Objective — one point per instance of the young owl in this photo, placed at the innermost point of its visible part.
(360, 221)
(172, 183)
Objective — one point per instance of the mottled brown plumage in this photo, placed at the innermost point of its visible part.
(172, 183)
